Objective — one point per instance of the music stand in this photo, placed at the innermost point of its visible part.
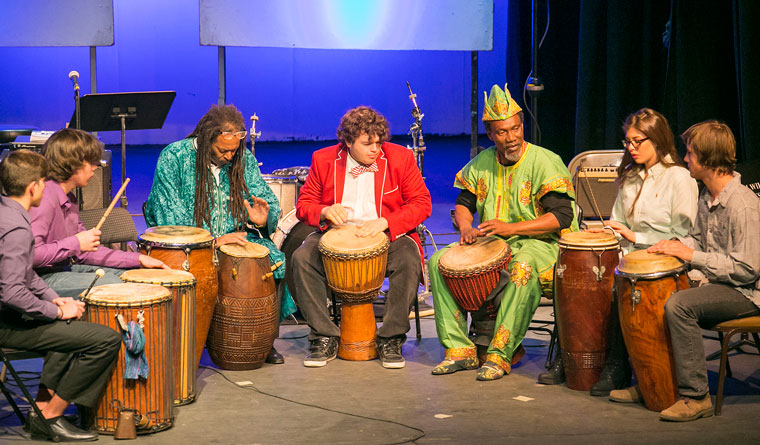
(124, 111)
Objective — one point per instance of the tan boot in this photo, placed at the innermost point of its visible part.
(688, 409)
(627, 395)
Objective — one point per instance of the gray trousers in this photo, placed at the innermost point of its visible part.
(687, 312)
(403, 272)
(80, 355)
(71, 283)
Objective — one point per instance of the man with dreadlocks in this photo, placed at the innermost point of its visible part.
(210, 180)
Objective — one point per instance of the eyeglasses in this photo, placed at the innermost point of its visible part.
(636, 143)
(231, 135)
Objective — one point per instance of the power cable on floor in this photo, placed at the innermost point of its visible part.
(253, 388)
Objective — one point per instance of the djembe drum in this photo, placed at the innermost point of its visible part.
(189, 249)
(247, 311)
(152, 397)
(182, 286)
(471, 271)
(583, 299)
(644, 282)
(355, 270)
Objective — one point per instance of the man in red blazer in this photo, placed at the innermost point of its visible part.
(370, 182)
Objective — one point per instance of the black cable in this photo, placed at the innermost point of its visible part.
(253, 388)
(525, 85)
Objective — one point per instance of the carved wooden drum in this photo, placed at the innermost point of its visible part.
(355, 270)
(644, 282)
(583, 281)
(152, 397)
(189, 249)
(182, 286)
(247, 310)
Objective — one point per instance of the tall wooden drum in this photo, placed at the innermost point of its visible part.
(189, 249)
(245, 319)
(471, 271)
(644, 282)
(355, 270)
(182, 286)
(152, 397)
(583, 278)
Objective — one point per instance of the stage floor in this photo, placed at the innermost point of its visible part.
(361, 402)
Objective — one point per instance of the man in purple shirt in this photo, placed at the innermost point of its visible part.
(66, 255)
(80, 355)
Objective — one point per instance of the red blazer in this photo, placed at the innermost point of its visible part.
(401, 196)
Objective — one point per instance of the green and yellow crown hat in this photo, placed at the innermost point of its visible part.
(500, 106)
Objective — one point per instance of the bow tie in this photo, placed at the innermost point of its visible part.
(359, 169)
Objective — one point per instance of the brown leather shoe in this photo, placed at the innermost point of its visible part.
(627, 395)
(688, 409)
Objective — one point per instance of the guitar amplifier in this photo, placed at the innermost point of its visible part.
(596, 185)
(97, 193)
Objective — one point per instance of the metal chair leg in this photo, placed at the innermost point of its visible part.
(417, 318)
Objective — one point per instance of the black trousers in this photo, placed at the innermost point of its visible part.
(403, 272)
(80, 355)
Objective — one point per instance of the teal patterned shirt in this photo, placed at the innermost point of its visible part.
(172, 200)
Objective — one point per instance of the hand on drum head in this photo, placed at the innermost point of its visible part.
(336, 213)
(496, 227)
(152, 263)
(258, 212)
(673, 248)
(70, 308)
(623, 230)
(468, 235)
(89, 240)
(232, 238)
(372, 228)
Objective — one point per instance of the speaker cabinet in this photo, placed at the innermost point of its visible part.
(596, 185)
(97, 193)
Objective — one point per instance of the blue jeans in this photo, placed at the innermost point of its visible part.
(687, 312)
(73, 282)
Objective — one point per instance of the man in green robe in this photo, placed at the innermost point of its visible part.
(210, 180)
(523, 194)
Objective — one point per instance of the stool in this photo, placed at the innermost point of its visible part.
(744, 326)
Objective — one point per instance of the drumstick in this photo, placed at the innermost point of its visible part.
(113, 203)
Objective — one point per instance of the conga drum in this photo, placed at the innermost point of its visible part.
(471, 271)
(182, 286)
(189, 249)
(152, 397)
(644, 282)
(355, 270)
(247, 310)
(583, 281)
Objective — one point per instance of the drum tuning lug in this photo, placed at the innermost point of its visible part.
(234, 274)
(561, 270)
(599, 271)
(635, 298)
(276, 265)
(186, 266)
(266, 275)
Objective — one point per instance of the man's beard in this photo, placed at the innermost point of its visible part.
(510, 157)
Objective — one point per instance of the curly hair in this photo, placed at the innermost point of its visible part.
(211, 125)
(360, 120)
(713, 143)
(19, 169)
(67, 150)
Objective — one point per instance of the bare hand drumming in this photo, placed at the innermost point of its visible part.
(496, 227)
(372, 228)
(673, 248)
(89, 240)
(152, 263)
(258, 212)
(468, 235)
(232, 238)
(336, 213)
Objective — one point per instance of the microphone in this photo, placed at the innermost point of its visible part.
(74, 76)
(98, 274)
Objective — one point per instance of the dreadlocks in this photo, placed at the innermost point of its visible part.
(211, 125)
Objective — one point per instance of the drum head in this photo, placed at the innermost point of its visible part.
(484, 252)
(588, 240)
(127, 294)
(157, 276)
(176, 235)
(643, 262)
(249, 250)
(343, 239)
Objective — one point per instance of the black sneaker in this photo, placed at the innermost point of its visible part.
(389, 350)
(321, 351)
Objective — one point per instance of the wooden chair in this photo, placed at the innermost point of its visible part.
(726, 330)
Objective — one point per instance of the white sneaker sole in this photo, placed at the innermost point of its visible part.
(396, 365)
(317, 363)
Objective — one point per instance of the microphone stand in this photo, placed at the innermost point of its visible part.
(254, 133)
(78, 113)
